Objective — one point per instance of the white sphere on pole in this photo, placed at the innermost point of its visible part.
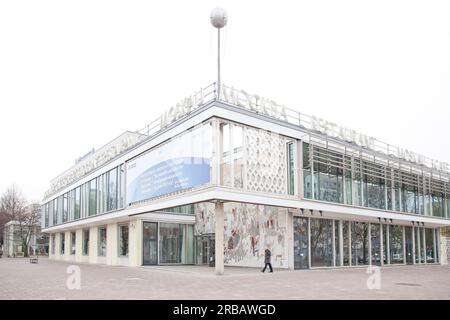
(219, 18)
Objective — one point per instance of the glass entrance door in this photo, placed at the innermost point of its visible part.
(150, 245)
(300, 243)
(205, 246)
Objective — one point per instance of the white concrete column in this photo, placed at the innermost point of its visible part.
(290, 239)
(135, 245)
(111, 244)
(442, 250)
(219, 234)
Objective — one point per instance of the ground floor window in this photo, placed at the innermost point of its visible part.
(62, 242)
(53, 243)
(321, 243)
(123, 240)
(168, 243)
(102, 242)
(72, 243)
(86, 242)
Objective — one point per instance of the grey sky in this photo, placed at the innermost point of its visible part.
(76, 74)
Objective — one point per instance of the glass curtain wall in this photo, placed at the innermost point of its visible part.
(176, 243)
(301, 240)
(321, 242)
(396, 244)
(375, 236)
(360, 243)
(334, 176)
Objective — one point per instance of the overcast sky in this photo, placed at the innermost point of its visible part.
(76, 74)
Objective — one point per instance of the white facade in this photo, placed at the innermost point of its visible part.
(244, 173)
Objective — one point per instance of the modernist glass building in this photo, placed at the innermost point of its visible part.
(221, 176)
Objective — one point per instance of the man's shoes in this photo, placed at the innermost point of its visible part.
(262, 271)
(270, 271)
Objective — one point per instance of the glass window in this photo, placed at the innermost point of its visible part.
(291, 168)
(65, 208)
(328, 175)
(55, 212)
(409, 245)
(360, 243)
(186, 209)
(123, 240)
(53, 243)
(92, 197)
(72, 243)
(46, 215)
(86, 242)
(307, 182)
(347, 246)
(376, 243)
(171, 243)
(102, 242)
(112, 189)
(77, 204)
(62, 242)
(321, 243)
(430, 245)
(396, 244)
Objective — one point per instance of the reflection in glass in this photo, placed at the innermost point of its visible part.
(300, 243)
(396, 244)
(123, 240)
(430, 256)
(376, 243)
(150, 243)
(409, 245)
(102, 242)
(171, 243)
(321, 242)
(360, 243)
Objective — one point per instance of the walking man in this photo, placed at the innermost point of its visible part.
(267, 255)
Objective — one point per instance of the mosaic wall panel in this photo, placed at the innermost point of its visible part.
(266, 161)
(204, 219)
(250, 229)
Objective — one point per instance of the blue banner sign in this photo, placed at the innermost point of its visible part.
(182, 163)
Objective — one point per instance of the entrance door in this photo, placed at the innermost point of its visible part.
(300, 243)
(205, 246)
(150, 245)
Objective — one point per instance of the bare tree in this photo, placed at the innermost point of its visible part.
(13, 207)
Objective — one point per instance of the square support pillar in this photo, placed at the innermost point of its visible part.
(219, 243)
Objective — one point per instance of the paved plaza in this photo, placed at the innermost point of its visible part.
(20, 279)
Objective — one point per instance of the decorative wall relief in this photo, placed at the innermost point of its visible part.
(250, 229)
(266, 161)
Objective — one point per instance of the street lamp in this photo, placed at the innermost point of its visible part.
(219, 19)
